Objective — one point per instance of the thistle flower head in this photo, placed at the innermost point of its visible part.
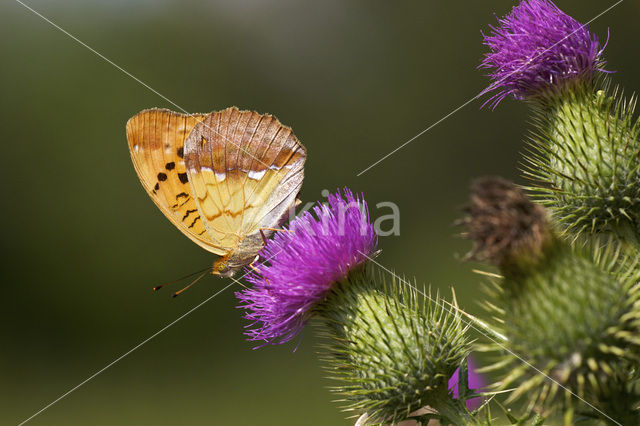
(302, 263)
(536, 47)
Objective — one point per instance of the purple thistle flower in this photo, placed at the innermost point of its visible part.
(301, 266)
(535, 47)
(476, 382)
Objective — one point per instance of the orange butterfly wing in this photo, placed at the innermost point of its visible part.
(156, 142)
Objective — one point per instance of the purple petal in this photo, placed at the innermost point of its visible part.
(476, 382)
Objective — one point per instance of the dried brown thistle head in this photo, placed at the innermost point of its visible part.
(505, 225)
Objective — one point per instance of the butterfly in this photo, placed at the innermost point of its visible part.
(225, 179)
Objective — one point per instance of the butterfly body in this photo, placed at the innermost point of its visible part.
(222, 178)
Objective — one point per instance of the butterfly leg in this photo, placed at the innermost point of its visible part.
(264, 237)
(258, 272)
(253, 267)
(275, 229)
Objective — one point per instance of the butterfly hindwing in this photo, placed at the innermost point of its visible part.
(245, 171)
(156, 143)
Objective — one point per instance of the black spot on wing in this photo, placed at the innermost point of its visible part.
(162, 177)
(170, 166)
(181, 152)
(183, 178)
(155, 188)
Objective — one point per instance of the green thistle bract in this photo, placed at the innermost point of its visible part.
(570, 314)
(584, 160)
(576, 319)
(392, 350)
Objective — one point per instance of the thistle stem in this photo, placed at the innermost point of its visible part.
(456, 413)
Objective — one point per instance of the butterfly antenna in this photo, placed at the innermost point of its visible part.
(158, 287)
(177, 293)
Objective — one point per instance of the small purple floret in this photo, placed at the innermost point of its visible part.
(300, 267)
(476, 382)
(535, 47)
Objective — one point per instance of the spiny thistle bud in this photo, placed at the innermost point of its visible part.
(585, 162)
(393, 351)
(572, 322)
(584, 156)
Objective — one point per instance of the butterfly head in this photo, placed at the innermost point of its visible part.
(221, 267)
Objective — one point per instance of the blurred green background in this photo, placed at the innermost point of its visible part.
(82, 244)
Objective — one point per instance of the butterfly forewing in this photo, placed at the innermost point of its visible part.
(156, 142)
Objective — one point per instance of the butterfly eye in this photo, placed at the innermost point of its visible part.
(222, 267)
